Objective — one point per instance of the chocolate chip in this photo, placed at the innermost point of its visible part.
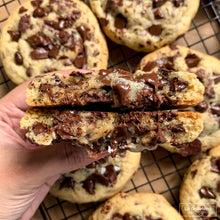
(127, 216)
(218, 186)
(120, 21)
(95, 53)
(120, 135)
(39, 53)
(89, 185)
(178, 3)
(111, 174)
(215, 109)
(207, 193)
(121, 93)
(18, 58)
(54, 52)
(22, 9)
(36, 3)
(84, 32)
(203, 212)
(192, 60)
(15, 35)
(39, 127)
(68, 182)
(158, 3)
(24, 23)
(38, 40)
(39, 12)
(76, 14)
(177, 85)
(173, 47)
(103, 21)
(29, 72)
(155, 30)
(215, 165)
(63, 36)
(200, 74)
(216, 78)
(158, 14)
(193, 173)
(201, 107)
(149, 66)
(80, 61)
(190, 148)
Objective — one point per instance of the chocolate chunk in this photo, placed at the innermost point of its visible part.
(178, 3)
(121, 93)
(76, 14)
(176, 128)
(89, 185)
(18, 58)
(158, 14)
(149, 66)
(24, 23)
(68, 182)
(103, 21)
(39, 12)
(215, 164)
(193, 173)
(22, 9)
(36, 3)
(120, 21)
(111, 174)
(192, 60)
(201, 107)
(203, 212)
(209, 91)
(190, 148)
(39, 53)
(63, 36)
(169, 63)
(39, 127)
(84, 32)
(15, 35)
(207, 193)
(177, 85)
(158, 3)
(54, 52)
(216, 78)
(95, 53)
(39, 40)
(127, 216)
(155, 30)
(29, 72)
(91, 165)
(173, 47)
(80, 61)
(120, 135)
(200, 74)
(215, 109)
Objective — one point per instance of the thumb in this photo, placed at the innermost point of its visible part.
(58, 159)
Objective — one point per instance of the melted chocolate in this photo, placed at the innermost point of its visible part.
(192, 60)
(121, 93)
(18, 58)
(191, 148)
(215, 165)
(39, 53)
(39, 127)
(155, 30)
(177, 85)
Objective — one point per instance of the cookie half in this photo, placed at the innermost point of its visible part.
(149, 206)
(144, 25)
(118, 89)
(200, 189)
(207, 70)
(43, 36)
(102, 131)
(97, 181)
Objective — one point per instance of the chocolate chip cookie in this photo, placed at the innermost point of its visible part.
(144, 25)
(200, 189)
(48, 35)
(207, 70)
(109, 131)
(97, 181)
(117, 89)
(146, 206)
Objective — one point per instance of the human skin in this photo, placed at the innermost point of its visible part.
(27, 171)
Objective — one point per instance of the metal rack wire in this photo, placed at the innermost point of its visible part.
(159, 171)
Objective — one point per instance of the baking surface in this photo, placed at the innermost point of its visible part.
(159, 171)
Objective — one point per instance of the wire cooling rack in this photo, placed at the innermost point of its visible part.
(159, 171)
